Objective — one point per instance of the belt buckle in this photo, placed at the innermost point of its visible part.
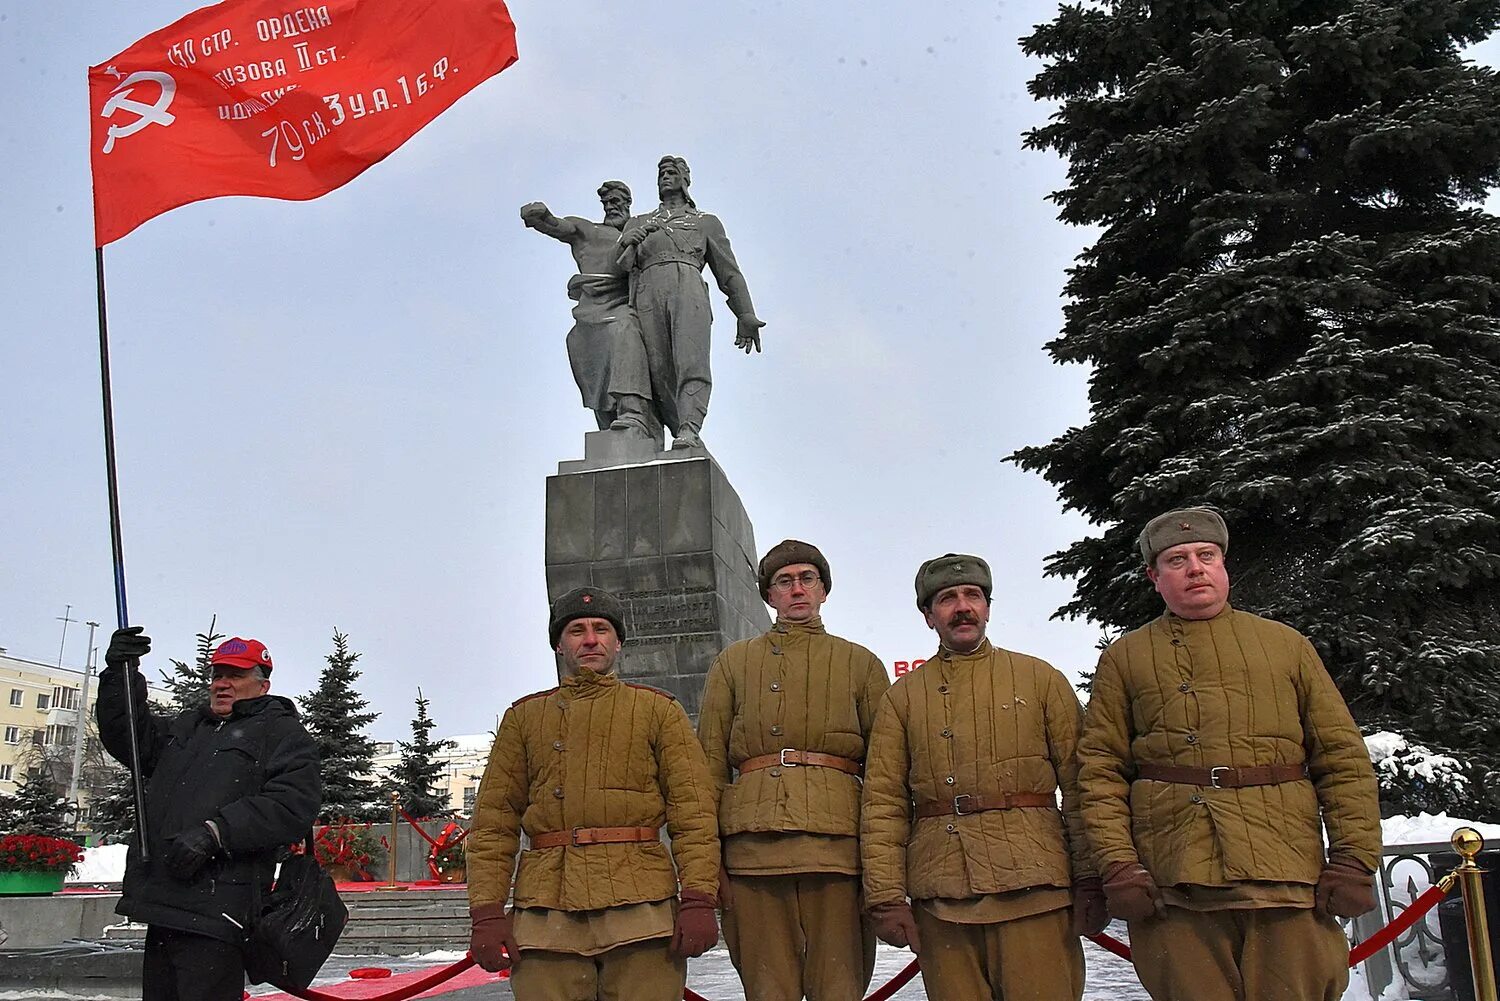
(960, 806)
(784, 762)
(574, 838)
(1213, 775)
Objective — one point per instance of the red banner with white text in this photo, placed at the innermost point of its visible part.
(263, 97)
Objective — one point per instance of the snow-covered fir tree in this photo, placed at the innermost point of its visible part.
(189, 683)
(333, 714)
(417, 772)
(1290, 313)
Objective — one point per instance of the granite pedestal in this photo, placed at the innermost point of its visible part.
(667, 533)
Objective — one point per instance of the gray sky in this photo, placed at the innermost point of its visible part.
(342, 412)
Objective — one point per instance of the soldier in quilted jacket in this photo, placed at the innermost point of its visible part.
(784, 723)
(590, 772)
(961, 814)
(1216, 753)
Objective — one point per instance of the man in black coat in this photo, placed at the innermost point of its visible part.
(227, 784)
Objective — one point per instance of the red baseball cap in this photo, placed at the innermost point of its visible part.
(245, 654)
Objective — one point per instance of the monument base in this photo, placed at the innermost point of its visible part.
(667, 534)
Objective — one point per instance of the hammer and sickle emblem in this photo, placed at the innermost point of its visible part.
(146, 114)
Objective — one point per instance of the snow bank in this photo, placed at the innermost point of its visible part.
(1428, 827)
(105, 864)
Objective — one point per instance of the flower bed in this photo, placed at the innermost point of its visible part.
(38, 853)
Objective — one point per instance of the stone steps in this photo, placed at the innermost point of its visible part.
(384, 923)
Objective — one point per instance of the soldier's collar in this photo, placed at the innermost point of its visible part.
(982, 650)
(1172, 618)
(812, 625)
(587, 682)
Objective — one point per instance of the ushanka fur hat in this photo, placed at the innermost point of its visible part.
(586, 603)
(950, 570)
(1185, 524)
(786, 553)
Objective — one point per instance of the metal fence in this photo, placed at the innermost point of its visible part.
(1417, 957)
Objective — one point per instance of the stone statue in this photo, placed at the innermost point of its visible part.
(603, 316)
(664, 357)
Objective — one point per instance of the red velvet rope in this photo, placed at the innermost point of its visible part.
(1111, 944)
(445, 839)
(418, 825)
(1403, 921)
(1361, 952)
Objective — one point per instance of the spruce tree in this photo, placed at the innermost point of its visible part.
(189, 683)
(417, 772)
(1291, 313)
(37, 807)
(112, 811)
(333, 714)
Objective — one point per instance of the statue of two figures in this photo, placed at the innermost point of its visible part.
(639, 343)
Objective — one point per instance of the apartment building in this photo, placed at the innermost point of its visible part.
(38, 720)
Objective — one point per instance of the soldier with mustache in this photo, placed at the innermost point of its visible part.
(967, 857)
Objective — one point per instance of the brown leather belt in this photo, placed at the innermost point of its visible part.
(961, 806)
(789, 758)
(1222, 777)
(580, 836)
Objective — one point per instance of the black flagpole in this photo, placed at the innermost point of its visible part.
(117, 550)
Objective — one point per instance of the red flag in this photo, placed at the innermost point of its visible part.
(263, 97)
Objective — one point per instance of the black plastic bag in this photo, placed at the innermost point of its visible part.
(299, 926)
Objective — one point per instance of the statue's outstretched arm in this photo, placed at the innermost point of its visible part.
(536, 215)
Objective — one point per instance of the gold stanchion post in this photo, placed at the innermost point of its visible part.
(1467, 842)
(391, 884)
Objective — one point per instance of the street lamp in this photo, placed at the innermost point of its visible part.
(79, 733)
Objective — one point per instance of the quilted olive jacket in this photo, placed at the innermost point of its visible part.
(979, 724)
(1234, 690)
(794, 687)
(596, 752)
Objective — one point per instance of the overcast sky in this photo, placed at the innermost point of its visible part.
(341, 413)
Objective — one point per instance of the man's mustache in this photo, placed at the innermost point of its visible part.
(963, 619)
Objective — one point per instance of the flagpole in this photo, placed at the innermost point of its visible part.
(117, 551)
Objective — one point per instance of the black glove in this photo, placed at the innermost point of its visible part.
(126, 647)
(190, 851)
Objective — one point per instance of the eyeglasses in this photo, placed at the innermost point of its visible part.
(807, 578)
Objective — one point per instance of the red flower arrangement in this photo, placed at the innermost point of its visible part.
(38, 853)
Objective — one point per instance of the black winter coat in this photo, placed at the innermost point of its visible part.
(254, 773)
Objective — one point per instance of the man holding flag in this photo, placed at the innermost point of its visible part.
(227, 783)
